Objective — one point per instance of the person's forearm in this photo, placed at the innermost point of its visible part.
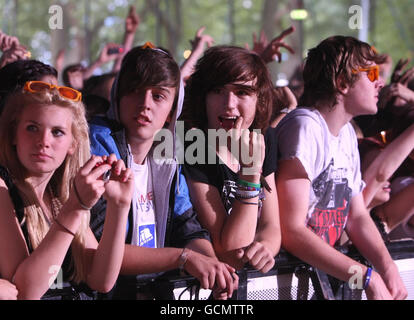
(36, 273)
(108, 257)
(307, 246)
(187, 68)
(366, 238)
(90, 70)
(240, 227)
(269, 237)
(127, 45)
(385, 164)
(202, 246)
(141, 260)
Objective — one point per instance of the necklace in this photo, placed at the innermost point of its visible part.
(56, 205)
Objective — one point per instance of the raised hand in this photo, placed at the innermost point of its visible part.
(251, 148)
(132, 20)
(400, 91)
(105, 57)
(398, 70)
(14, 53)
(6, 42)
(200, 40)
(88, 184)
(269, 51)
(120, 186)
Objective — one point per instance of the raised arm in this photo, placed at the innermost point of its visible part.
(270, 50)
(104, 57)
(386, 162)
(106, 258)
(131, 25)
(198, 45)
(6, 41)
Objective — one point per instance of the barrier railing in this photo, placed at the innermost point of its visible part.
(290, 279)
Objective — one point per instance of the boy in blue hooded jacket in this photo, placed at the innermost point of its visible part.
(163, 231)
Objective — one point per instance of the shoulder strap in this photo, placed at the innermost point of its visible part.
(17, 202)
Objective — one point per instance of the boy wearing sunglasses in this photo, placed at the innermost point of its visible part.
(319, 180)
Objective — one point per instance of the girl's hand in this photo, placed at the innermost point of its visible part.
(120, 186)
(88, 185)
(251, 149)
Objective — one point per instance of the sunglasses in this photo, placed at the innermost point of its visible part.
(65, 92)
(150, 45)
(372, 72)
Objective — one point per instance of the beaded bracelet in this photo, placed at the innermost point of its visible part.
(245, 188)
(247, 194)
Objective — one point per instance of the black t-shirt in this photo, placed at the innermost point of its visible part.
(271, 152)
(223, 178)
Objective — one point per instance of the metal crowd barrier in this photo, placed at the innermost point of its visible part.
(290, 279)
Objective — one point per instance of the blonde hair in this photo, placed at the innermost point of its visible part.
(63, 176)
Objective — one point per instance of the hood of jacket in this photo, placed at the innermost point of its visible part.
(162, 169)
(113, 114)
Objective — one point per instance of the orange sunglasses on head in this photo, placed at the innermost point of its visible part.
(372, 72)
(65, 92)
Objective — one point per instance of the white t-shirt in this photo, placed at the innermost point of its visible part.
(144, 232)
(331, 163)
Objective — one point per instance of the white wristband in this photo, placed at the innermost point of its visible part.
(183, 258)
(285, 110)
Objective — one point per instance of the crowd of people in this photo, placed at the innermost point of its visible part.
(85, 190)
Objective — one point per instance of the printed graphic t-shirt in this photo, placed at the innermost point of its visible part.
(144, 232)
(332, 164)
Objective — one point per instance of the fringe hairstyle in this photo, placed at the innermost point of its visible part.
(63, 176)
(221, 65)
(331, 59)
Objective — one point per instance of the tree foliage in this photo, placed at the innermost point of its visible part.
(88, 25)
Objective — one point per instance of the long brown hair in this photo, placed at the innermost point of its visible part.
(223, 65)
(63, 176)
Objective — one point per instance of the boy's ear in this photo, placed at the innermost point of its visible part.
(170, 116)
(341, 85)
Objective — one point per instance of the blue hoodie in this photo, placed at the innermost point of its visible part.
(176, 221)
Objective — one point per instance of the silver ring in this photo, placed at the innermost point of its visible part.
(107, 176)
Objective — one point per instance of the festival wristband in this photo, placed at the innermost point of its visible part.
(248, 184)
(367, 278)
